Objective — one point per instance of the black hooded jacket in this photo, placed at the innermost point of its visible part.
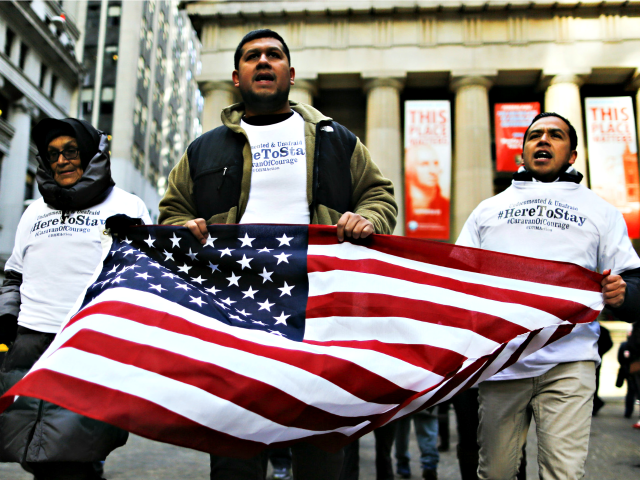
(96, 182)
(94, 186)
(32, 430)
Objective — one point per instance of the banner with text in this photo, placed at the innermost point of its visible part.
(613, 156)
(511, 121)
(427, 150)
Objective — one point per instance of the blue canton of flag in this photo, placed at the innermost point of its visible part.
(255, 283)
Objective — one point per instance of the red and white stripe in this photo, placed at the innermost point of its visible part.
(391, 328)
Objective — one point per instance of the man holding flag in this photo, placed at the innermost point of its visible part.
(275, 161)
(547, 214)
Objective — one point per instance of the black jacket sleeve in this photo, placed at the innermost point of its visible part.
(629, 311)
(9, 306)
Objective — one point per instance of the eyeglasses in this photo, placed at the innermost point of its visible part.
(68, 153)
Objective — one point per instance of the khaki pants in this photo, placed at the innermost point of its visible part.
(561, 404)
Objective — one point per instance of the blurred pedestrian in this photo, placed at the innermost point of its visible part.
(634, 362)
(624, 359)
(443, 425)
(425, 423)
(604, 345)
(385, 437)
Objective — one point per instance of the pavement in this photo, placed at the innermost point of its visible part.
(614, 454)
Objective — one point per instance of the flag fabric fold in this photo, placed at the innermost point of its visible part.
(272, 334)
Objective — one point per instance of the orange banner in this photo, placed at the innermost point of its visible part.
(427, 168)
(511, 121)
(613, 156)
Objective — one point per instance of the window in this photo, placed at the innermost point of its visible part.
(113, 15)
(8, 42)
(156, 138)
(143, 28)
(137, 157)
(4, 106)
(140, 67)
(111, 51)
(43, 75)
(86, 97)
(106, 108)
(52, 87)
(136, 110)
(108, 94)
(23, 55)
(153, 174)
(147, 77)
(143, 118)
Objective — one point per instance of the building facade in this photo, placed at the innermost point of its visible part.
(359, 61)
(141, 61)
(39, 77)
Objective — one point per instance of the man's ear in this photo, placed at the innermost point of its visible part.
(572, 159)
(236, 78)
(292, 72)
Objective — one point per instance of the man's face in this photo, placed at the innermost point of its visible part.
(427, 166)
(66, 172)
(264, 77)
(547, 149)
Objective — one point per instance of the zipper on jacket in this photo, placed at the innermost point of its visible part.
(316, 160)
(33, 431)
(224, 173)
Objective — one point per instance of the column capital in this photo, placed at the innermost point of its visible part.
(459, 82)
(24, 105)
(206, 87)
(567, 78)
(394, 82)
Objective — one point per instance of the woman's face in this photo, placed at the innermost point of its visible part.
(64, 158)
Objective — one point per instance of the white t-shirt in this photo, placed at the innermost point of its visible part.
(278, 192)
(554, 221)
(57, 259)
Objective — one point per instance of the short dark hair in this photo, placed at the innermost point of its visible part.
(573, 136)
(254, 35)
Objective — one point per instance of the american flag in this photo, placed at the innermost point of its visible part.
(271, 334)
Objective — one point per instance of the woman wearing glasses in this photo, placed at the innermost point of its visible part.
(56, 251)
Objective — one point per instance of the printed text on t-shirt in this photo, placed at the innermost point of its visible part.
(540, 213)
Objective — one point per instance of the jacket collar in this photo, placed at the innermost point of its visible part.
(232, 115)
(569, 175)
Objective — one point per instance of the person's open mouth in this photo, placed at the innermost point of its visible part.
(265, 77)
(542, 154)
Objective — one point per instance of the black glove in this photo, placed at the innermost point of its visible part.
(8, 329)
(120, 223)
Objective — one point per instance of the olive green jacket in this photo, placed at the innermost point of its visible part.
(372, 193)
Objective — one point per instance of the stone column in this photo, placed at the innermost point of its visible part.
(303, 91)
(217, 95)
(563, 97)
(384, 137)
(14, 172)
(472, 167)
